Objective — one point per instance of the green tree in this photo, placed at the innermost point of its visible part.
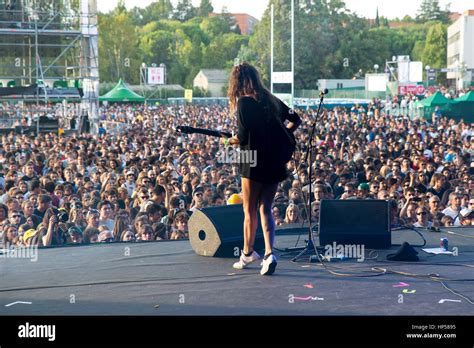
(229, 19)
(120, 8)
(157, 46)
(431, 11)
(161, 9)
(159, 34)
(194, 59)
(245, 54)
(325, 33)
(205, 8)
(377, 19)
(222, 51)
(136, 16)
(417, 52)
(119, 54)
(444, 16)
(434, 53)
(214, 26)
(192, 28)
(184, 10)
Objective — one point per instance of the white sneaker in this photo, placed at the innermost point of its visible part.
(269, 265)
(244, 261)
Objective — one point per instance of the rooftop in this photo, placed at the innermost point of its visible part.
(215, 75)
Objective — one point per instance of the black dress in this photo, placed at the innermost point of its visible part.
(256, 127)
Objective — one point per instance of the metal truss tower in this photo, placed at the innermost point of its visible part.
(50, 42)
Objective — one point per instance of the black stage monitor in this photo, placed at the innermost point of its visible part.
(355, 221)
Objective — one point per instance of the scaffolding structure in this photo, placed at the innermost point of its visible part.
(52, 43)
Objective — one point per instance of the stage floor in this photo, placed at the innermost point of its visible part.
(168, 278)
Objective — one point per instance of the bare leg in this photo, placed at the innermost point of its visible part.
(251, 192)
(267, 195)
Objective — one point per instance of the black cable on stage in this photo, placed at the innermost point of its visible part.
(418, 232)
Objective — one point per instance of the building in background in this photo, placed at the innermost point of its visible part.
(461, 49)
(244, 21)
(212, 80)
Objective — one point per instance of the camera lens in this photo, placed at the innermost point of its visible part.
(63, 216)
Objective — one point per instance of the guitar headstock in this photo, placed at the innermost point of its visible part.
(184, 129)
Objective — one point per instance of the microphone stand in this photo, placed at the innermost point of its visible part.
(310, 248)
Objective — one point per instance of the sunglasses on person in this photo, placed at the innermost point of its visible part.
(422, 213)
(94, 213)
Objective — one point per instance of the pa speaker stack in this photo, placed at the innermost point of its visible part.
(219, 231)
(354, 221)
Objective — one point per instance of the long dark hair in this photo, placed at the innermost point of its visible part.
(245, 81)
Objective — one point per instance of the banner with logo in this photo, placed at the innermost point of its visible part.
(413, 89)
(156, 76)
(188, 95)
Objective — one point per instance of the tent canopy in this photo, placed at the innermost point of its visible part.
(468, 97)
(463, 107)
(436, 99)
(121, 93)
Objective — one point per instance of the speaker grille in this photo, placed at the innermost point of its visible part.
(218, 231)
(200, 226)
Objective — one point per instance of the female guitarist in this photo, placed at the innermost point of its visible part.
(260, 118)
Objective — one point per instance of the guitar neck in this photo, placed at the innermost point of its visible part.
(210, 132)
(214, 133)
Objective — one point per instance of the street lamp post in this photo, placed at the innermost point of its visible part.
(462, 72)
(456, 74)
(427, 68)
(163, 65)
(376, 68)
(143, 81)
(143, 73)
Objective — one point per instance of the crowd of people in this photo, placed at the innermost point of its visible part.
(143, 182)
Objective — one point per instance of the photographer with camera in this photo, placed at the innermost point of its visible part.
(51, 230)
(44, 202)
